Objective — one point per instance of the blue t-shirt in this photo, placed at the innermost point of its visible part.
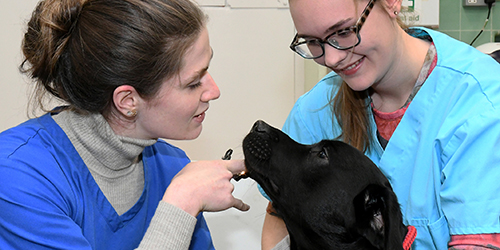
(49, 199)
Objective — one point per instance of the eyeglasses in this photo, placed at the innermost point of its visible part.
(312, 48)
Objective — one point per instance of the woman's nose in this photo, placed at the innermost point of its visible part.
(333, 57)
(212, 92)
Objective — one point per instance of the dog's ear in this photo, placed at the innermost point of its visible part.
(378, 217)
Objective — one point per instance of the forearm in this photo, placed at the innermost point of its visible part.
(475, 242)
(471, 247)
(170, 228)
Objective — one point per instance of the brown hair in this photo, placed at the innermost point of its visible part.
(80, 50)
(350, 110)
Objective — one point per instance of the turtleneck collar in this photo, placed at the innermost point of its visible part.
(100, 148)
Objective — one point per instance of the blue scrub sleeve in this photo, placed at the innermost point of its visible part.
(470, 178)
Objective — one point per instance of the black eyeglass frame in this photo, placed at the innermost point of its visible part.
(355, 28)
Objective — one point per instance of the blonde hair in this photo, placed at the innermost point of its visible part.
(350, 110)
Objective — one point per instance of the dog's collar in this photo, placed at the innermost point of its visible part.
(410, 237)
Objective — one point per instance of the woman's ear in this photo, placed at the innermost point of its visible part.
(125, 100)
(393, 7)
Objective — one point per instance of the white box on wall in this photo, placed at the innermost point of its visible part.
(206, 3)
(245, 3)
(258, 3)
(420, 12)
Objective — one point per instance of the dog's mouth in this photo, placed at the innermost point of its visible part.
(268, 185)
(240, 175)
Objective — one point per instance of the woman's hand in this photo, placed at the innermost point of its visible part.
(205, 186)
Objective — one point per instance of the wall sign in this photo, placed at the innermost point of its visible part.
(420, 12)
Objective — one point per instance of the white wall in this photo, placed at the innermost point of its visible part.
(13, 88)
(255, 71)
(259, 78)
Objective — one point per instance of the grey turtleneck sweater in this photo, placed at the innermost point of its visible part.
(115, 162)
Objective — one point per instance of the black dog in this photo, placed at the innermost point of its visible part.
(329, 194)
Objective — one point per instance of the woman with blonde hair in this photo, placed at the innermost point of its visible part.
(423, 106)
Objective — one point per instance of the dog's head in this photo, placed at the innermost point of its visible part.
(330, 195)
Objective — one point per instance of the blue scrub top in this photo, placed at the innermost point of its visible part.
(49, 199)
(443, 160)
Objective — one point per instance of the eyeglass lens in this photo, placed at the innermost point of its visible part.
(310, 48)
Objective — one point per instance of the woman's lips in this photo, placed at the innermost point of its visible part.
(199, 118)
(352, 68)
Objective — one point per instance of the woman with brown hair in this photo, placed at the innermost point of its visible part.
(93, 174)
(421, 105)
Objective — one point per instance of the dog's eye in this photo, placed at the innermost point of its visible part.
(322, 154)
(319, 152)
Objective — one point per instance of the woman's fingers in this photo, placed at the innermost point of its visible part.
(208, 185)
(240, 205)
(235, 166)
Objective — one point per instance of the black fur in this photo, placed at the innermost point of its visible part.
(329, 194)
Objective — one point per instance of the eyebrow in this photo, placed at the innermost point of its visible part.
(332, 28)
(197, 74)
(337, 26)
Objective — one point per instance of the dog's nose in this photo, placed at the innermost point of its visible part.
(260, 127)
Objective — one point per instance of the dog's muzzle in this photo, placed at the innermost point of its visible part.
(258, 140)
(259, 147)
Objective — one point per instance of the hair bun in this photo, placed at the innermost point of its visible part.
(48, 32)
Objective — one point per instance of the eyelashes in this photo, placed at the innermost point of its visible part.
(195, 85)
